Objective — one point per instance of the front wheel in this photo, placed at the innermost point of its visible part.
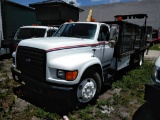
(89, 88)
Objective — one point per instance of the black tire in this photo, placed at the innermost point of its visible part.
(144, 112)
(89, 86)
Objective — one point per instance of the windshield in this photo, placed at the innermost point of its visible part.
(80, 30)
(25, 33)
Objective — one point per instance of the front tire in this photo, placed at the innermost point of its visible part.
(89, 88)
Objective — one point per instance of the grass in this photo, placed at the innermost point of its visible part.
(127, 100)
(155, 47)
(132, 90)
(133, 83)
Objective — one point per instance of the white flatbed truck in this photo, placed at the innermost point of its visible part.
(81, 57)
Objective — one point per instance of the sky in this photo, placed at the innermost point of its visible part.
(77, 2)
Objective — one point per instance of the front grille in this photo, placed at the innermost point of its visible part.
(32, 62)
(158, 75)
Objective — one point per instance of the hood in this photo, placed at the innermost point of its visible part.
(55, 42)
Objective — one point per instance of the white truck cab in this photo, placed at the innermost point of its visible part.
(81, 57)
(26, 32)
(34, 31)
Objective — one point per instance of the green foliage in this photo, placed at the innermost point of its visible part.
(132, 85)
(102, 102)
(3, 95)
(86, 114)
(135, 79)
(71, 2)
(41, 113)
(155, 47)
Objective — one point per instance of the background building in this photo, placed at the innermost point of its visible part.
(15, 15)
(106, 12)
(55, 12)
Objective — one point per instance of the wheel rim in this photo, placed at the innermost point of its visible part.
(140, 60)
(86, 90)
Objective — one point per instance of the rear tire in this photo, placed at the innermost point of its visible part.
(88, 89)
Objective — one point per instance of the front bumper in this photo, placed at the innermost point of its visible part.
(152, 94)
(44, 88)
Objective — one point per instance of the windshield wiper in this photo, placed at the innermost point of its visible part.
(76, 35)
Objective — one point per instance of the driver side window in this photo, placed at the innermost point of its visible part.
(103, 34)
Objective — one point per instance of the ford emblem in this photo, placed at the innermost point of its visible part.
(28, 60)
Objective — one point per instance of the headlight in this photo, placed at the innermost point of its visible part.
(13, 57)
(154, 75)
(67, 75)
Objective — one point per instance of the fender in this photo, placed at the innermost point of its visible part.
(157, 63)
(14, 54)
(14, 60)
(80, 62)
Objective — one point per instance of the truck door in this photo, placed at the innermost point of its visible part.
(107, 51)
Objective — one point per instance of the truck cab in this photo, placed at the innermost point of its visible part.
(80, 58)
(26, 32)
(34, 31)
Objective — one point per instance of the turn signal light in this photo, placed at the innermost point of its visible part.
(67, 75)
(71, 75)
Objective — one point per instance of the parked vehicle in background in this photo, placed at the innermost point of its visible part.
(10, 15)
(152, 91)
(81, 57)
(34, 31)
(153, 35)
(159, 35)
(3, 48)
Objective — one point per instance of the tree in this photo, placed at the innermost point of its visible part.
(72, 2)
